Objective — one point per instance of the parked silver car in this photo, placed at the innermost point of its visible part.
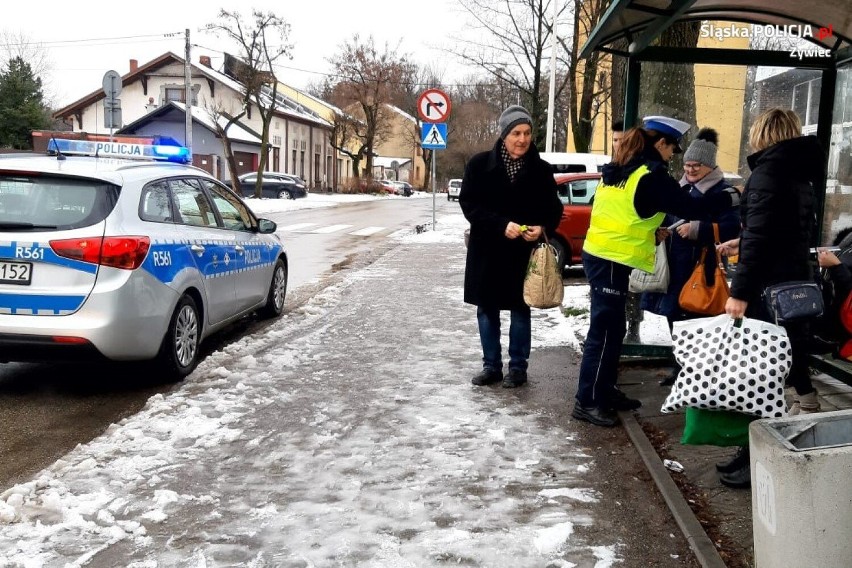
(126, 259)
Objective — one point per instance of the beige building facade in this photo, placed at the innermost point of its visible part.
(719, 99)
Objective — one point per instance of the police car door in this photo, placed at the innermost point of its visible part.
(253, 260)
(212, 248)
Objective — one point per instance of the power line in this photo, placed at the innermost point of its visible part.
(65, 42)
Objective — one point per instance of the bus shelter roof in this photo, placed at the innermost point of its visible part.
(640, 22)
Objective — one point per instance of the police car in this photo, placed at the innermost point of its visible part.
(126, 259)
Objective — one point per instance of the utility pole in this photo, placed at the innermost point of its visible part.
(551, 98)
(187, 76)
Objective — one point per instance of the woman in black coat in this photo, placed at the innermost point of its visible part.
(779, 221)
(509, 197)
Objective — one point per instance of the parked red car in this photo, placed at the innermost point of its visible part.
(577, 192)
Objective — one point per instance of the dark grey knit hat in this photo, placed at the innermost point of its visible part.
(703, 148)
(511, 117)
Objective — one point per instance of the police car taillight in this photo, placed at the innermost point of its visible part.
(118, 252)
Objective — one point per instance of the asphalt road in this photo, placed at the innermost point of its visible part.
(360, 226)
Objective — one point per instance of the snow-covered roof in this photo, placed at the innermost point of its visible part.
(404, 114)
(318, 100)
(284, 104)
(237, 132)
(387, 162)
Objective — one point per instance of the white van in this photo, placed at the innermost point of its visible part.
(453, 189)
(574, 162)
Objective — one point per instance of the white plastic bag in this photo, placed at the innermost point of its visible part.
(657, 281)
(728, 367)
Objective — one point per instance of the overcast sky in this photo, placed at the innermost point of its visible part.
(83, 39)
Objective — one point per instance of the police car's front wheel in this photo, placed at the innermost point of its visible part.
(179, 351)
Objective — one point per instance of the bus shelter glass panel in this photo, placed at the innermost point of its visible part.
(722, 97)
(838, 191)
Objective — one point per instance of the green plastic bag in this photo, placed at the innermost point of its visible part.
(716, 427)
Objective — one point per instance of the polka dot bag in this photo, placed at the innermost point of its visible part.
(730, 367)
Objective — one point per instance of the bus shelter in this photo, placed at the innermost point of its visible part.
(749, 55)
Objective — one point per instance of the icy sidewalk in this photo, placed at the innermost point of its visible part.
(346, 435)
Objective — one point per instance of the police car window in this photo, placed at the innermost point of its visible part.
(193, 206)
(155, 204)
(234, 214)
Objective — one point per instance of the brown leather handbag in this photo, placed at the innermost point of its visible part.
(697, 296)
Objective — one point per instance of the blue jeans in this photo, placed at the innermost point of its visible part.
(520, 338)
(607, 325)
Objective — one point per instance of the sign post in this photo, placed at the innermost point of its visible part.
(112, 104)
(433, 106)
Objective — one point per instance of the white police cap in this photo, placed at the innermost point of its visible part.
(671, 127)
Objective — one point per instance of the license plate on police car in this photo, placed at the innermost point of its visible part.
(15, 272)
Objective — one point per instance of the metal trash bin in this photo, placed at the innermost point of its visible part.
(801, 474)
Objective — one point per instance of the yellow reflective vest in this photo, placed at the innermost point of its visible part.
(616, 232)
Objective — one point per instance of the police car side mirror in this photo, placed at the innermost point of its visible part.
(266, 226)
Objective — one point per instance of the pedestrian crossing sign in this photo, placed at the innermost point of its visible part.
(434, 136)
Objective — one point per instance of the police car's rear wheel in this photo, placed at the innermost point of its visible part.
(179, 352)
(277, 292)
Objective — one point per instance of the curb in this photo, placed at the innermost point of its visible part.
(704, 549)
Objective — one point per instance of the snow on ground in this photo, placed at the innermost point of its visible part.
(319, 199)
(110, 495)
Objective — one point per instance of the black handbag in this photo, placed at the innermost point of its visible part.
(794, 301)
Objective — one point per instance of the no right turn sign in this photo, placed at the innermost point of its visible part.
(433, 105)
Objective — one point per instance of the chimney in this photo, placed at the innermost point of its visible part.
(134, 65)
(204, 60)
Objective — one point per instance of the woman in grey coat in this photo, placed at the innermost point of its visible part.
(509, 197)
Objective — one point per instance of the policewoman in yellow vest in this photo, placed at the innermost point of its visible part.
(629, 206)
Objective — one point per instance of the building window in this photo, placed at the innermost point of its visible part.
(316, 168)
(302, 164)
(175, 94)
(276, 140)
(806, 101)
(293, 169)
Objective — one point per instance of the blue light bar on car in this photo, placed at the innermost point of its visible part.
(118, 150)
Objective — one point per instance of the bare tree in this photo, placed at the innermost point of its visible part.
(366, 82)
(587, 87)
(405, 97)
(16, 44)
(262, 42)
(344, 137)
(669, 88)
(512, 45)
(219, 114)
(472, 126)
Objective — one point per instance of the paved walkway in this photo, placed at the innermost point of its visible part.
(724, 535)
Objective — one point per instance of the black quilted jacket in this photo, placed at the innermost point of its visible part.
(778, 217)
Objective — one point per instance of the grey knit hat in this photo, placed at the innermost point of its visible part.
(511, 117)
(703, 148)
